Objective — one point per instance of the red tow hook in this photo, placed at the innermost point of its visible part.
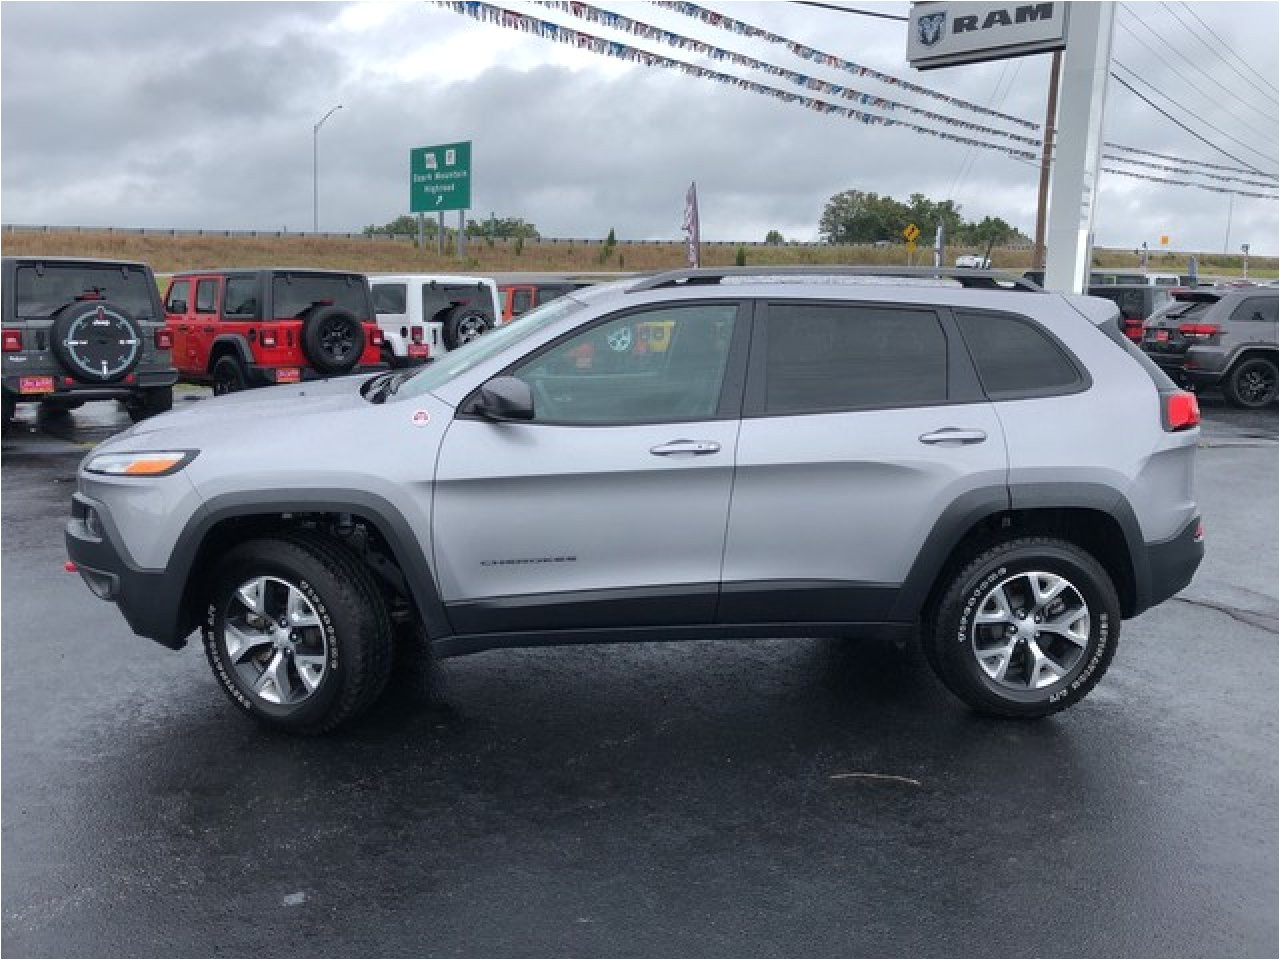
(70, 567)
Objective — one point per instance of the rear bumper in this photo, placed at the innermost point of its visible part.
(76, 390)
(1171, 564)
(151, 601)
(260, 376)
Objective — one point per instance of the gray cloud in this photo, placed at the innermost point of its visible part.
(201, 115)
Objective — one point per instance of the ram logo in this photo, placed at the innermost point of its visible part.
(930, 28)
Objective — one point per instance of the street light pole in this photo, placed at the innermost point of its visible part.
(315, 169)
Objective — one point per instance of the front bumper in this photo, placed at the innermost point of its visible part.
(150, 600)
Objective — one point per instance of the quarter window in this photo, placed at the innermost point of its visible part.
(653, 366)
(1257, 310)
(521, 301)
(1014, 356)
(826, 357)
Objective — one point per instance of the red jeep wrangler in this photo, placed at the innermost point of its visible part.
(249, 328)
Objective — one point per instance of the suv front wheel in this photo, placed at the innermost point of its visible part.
(297, 633)
(1026, 628)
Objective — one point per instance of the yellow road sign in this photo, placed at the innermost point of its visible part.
(1164, 239)
(911, 232)
(911, 244)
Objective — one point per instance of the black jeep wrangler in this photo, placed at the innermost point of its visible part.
(77, 330)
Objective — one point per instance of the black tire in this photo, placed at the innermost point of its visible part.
(1251, 383)
(332, 340)
(150, 402)
(96, 341)
(954, 635)
(353, 635)
(464, 324)
(228, 376)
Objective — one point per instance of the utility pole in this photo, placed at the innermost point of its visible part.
(1226, 241)
(1050, 115)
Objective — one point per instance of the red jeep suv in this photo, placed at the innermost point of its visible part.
(253, 327)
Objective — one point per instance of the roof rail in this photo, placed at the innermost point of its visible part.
(965, 276)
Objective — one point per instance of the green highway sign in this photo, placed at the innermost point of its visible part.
(440, 177)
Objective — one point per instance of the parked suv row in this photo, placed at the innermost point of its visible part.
(989, 470)
(1222, 337)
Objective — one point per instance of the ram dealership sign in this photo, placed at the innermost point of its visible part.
(946, 34)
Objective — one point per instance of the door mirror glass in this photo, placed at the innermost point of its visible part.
(504, 398)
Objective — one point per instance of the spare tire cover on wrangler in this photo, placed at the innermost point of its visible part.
(96, 341)
(332, 339)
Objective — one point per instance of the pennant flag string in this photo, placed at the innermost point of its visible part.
(744, 29)
(593, 14)
(489, 13)
(1220, 177)
(1197, 163)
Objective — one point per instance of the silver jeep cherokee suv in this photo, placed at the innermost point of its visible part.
(953, 457)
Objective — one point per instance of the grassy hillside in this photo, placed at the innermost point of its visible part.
(168, 254)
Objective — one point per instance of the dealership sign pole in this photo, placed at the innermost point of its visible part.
(949, 34)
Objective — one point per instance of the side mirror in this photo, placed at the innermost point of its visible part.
(504, 398)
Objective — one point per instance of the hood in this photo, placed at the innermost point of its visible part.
(267, 408)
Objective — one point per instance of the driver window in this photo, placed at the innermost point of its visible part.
(652, 366)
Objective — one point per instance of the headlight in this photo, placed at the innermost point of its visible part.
(148, 463)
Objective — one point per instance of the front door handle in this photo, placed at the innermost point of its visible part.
(955, 435)
(675, 448)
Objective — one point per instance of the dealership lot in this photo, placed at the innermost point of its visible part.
(758, 797)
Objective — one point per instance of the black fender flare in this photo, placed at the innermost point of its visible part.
(970, 509)
(389, 522)
(238, 341)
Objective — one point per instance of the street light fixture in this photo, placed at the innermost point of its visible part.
(315, 168)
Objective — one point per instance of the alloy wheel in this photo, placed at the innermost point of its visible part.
(1030, 631)
(275, 641)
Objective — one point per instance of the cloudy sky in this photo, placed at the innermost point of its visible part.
(201, 115)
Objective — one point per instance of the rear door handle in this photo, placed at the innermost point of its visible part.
(675, 448)
(955, 435)
(207, 329)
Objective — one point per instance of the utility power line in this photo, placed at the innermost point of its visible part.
(1229, 48)
(861, 13)
(1218, 52)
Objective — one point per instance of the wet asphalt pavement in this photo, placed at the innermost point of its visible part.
(715, 798)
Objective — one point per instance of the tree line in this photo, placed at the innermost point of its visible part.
(856, 216)
(507, 228)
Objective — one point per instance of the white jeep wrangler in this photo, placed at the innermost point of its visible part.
(423, 315)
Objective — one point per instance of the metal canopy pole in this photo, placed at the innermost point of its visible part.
(1078, 152)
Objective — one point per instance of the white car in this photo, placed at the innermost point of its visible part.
(975, 262)
(423, 315)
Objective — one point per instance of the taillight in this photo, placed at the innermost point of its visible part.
(164, 339)
(1199, 331)
(12, 341)
(1181, 410)
(268, 338)
(417, 334)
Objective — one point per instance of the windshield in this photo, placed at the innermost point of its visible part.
(472, 354)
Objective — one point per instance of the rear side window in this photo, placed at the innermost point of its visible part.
(206, 296)
(1256, 310)
(240, 299)
(293, 294)
(521, 301)
(389, 298)
(829, 357)
(178, 294)
(1014, 357)
(39, 293)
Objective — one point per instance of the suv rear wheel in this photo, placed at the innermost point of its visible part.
(1026, 628)
(464, 324)
(1251, 384)
(228, 376)
(150, 402)
(297, 633)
